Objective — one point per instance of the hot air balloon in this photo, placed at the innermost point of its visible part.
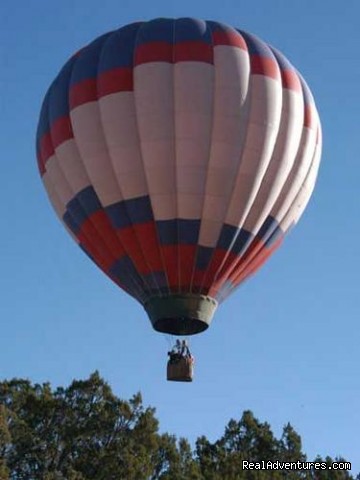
(178, 154)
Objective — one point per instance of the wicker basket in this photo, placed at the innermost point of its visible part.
(181, 370)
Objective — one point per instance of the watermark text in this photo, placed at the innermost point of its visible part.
(276, 465)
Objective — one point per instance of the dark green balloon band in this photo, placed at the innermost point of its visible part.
(181, 314)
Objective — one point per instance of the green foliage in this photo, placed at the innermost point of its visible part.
(79, 433)
(85, 432)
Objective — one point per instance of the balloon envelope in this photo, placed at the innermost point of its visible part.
(178, 153)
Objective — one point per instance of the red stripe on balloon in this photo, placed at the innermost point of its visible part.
(130, 243)
(230, 38)
(115, 80)
(148, 242)
(219, 257)
(153, 52)
(46, 150)
(103, 225)
(237, 266)
(83, 92)
(107, 246)
(246, 260)
(228, 266)
(179, 52)
(309, 116)
(103, 247)
(193, 51)
(290, 80)
(256, 263)
(61, 130)
(264, 66)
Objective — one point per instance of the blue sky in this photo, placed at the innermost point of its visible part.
(286, 344)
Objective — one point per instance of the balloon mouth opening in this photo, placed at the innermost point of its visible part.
(181, 314)
(180, 325)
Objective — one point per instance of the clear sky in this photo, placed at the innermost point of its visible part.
(286, 344)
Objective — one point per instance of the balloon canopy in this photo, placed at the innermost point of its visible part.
(178, 153)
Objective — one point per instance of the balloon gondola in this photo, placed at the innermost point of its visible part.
(178, 154)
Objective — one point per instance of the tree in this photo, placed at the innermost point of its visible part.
(4, 442)
(82, 432)
(253, 441)
(85, 432)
